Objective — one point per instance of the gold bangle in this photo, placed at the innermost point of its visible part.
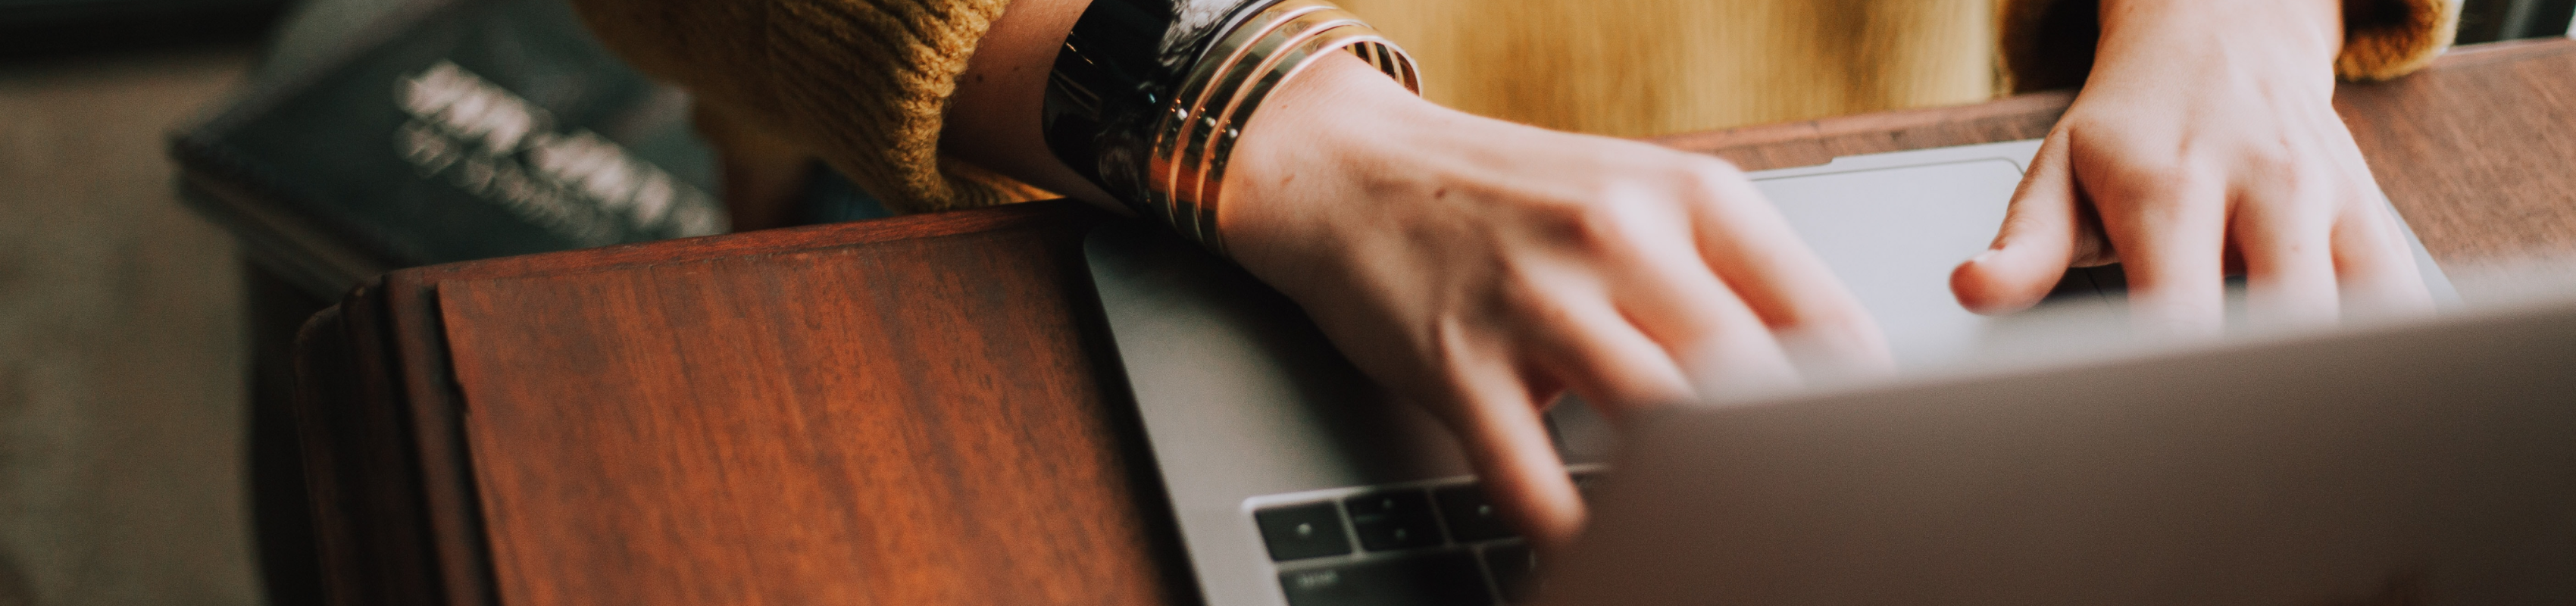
(1211, 121)
(1359, 40)
(1195, 138)
(1189, 99)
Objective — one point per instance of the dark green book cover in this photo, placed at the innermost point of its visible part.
(452, 131)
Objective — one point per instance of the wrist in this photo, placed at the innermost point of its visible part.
(2299, 38)
(2225, 14)
(1323, 141)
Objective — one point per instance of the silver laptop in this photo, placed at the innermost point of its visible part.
(1298, 483)
(2431, 463)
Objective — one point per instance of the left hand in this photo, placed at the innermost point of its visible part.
(2205, 142)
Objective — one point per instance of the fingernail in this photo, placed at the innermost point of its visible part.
(1981, 258)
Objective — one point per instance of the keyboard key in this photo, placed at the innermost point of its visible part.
(1471, 516)
(1395, 519)
(1441, 579)
(1515, 570)
(1297, 532)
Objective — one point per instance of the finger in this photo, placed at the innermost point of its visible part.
(2374, 263)
(1784, 287)
(1674, 298)
(2171, 236)
(1515, 461)
(1599, 353)
(2284, 243)
(2036, 243)
(1719, 345)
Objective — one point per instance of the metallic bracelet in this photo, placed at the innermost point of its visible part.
(1159, 135)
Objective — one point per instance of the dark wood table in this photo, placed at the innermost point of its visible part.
(922, 410)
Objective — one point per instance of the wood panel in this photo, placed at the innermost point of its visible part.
(360, 461)
(412, 502)
(1812, 142)
(801, 428)
(2478, 153)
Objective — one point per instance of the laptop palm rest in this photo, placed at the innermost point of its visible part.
(1242, 396)
(1216, 340)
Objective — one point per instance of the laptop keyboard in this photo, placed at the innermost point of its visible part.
(1436, 544)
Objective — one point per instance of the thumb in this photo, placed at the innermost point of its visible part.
(2037, 241)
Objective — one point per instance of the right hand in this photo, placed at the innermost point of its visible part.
(1480, 268)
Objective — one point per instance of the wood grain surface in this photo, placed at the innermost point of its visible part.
(2479, 154)
(919, 410)
(800, 428)
(1812, 142)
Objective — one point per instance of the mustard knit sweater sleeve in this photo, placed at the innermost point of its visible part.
(859, 83)
(863, 83)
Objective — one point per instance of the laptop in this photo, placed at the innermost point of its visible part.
(1297, 482)
(2419, 464)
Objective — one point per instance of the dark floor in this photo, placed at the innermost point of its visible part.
(121, 348)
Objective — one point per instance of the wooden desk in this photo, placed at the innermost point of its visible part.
(919, 410)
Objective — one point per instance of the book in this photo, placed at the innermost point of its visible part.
(449, 130)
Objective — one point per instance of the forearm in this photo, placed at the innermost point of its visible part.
(2311, 27)
(2162, 42)
(993, 119)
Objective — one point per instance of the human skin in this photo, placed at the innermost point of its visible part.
(1480, 268)
(2204, 143)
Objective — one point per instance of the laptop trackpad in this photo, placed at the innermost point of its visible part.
(1893, 235)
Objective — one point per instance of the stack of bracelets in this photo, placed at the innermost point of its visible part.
(1149, 97)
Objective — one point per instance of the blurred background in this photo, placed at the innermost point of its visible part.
(182, 181)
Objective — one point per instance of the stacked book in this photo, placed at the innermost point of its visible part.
(449, 130)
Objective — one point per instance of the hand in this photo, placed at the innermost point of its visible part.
(2205, 142)
(1477, 267)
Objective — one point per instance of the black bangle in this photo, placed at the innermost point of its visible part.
(1148, 97)
(1116, 71)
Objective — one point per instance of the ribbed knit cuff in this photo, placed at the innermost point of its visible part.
(2385, 39)
(869, 82)
(862, 84)
(2048, 44)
